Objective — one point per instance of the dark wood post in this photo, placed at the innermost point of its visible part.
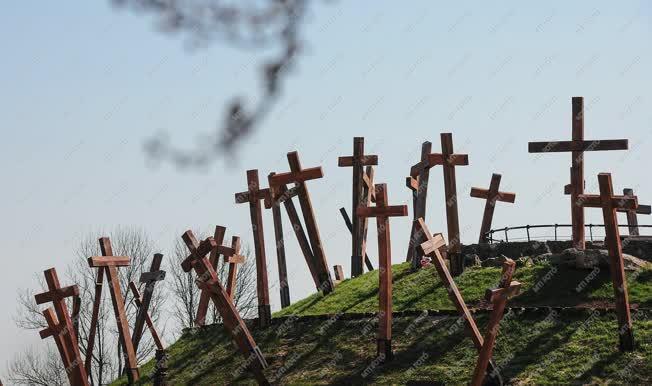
(609, 204)
(491, 195)
(382, 212)
(417, 182)
(339, 273)
(204, 296)
(349, 226)
(284, 287)
(161, 372)
(148, 320)
(632, 220)
(149, 279)
(577, 146)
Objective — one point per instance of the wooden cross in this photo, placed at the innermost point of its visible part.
(60, 326)
(110, 264)
(577, 146)
(204, 296)
(432, 248)
(232, 257)
(207, 279)
(253, 195)
(140, 303)
(491, 195)
(275, 205)
(498, 297)
(417, 182)
(349, 226)
(149, 279)
(610, 204)
(382, 212)
(357, 161)
(299, 176)
(632, 221)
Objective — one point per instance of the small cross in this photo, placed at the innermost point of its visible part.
(232, 257)
(632, 220)
(491, 195)
(149, 279)
(609, 203)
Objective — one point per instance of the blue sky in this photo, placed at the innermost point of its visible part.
(82, 87)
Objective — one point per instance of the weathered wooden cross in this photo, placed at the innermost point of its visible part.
(349, 226)
(432, 248)
(110, 263)
(253, 195)
(632, 220)
(232, 257)
(417, 182)
(491, 195)
(204, 296)
(299, 176)
(207, 279)
(577, 146)
(149, 279)
(382, 212)
(275, 205)
(60, 326)
(498, 298)
(140, 303)
(610, 204)
(357, 161)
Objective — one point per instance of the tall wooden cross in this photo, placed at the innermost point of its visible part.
(149, 279)
(610, 204)
(60, 326)
(349, 226)
(275, 205)
(110, 264)
(498, 298)
(253, 195)
(491, 195)
(632, 220)
(140, 303)
(577, 146)
(382, 212)
(207, 279)
(417, 182)
(299, 176)
(204, 296)
(357, 161)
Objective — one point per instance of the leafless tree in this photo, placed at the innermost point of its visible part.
(37, 367)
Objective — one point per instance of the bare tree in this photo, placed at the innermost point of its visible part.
(38, 367)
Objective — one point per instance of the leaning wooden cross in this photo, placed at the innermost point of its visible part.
(610, 204)
(110, 264)
(357, 161)
(207, 279)
(299, 176)
(632, 220)
(382, 212)
(275, 205)
(577, 146)
(60, 326)
(149, 279)
(432, 248)
(491, 195)
(253, 195)
(498, 298)
(140, 303)
(417, 182)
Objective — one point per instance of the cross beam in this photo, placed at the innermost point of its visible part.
(274, 201)
(207, 279)
(149, 279)
(491, 195)
(299, 176)
(204, 297)
(254, 194)
(60, 326)
(498, 297)
(110, 264)
(577, 146)
(610, 204)
(357, 161)
(382, 212)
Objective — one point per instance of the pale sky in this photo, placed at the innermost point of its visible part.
(83, 86)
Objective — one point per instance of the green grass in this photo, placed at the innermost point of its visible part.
(534, 346)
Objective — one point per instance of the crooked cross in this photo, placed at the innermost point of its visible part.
(491, 195)
(577, 146)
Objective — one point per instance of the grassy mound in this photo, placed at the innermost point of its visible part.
(318, 341)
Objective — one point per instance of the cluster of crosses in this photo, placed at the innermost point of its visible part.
(369, 200)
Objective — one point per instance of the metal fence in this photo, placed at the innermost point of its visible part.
(592, 229)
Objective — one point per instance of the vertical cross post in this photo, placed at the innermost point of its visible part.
(111, 263)
(284, 287)
(140, 303)
(498, 297)
(632, 220)
(577, 146)
(299, 176)
(232, 257)
(609, 203)
(491, 195)
(417, 182)
(382, 212)
(207, 279)
(149, 279)
(253, 195)
(204, 296)
(339, 273)
(95, 313)
(357, 161)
